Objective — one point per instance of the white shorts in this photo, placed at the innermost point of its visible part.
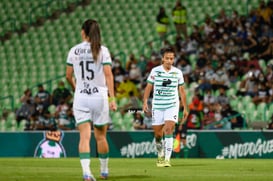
(91, 108)
(160, 116)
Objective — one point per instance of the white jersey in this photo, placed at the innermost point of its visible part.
(89, 74)
(165, 94)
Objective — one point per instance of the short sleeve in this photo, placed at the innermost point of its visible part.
(106, 57)
(151, 77)
(180, 78)
(70, 57)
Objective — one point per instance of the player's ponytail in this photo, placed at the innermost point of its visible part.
(92, 30)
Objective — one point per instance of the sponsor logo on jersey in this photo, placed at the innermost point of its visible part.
(79, 51)
(90, 91)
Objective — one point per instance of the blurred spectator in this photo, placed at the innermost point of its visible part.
(133, 104)
(132, 60)
(235, 118)
(209, 98)
(265, 12)
(179, 15)
(27, 108)
(203, 82)
(222, 99)
(270, 92)
(147, 120)
(269, 72)
(61, 93)
(207, 27)
(42, 120)
(216, 120)
(64, 116)
(262, 94)
(162, 21)
(233, 73)
(154, 61)
(125, 87)
(248, 86)
(135, 74)
(141, 64)
(43, 97)
(220, 79)
(209, 114)
(138, 121)
(118, 75)
(194, 120)
(183, 64)
(202, 61)
(265, 48)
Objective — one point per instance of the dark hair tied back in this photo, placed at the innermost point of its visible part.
(92, 30)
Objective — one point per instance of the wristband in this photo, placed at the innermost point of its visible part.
(111, 99)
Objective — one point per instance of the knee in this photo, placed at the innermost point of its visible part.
(85, 136)
(168, 129)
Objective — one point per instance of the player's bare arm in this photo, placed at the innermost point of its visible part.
(146, 96)
(69, 76)
(184, 103)
(110, 84)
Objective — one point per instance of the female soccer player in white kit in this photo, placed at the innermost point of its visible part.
(91, 64)
(166, 81)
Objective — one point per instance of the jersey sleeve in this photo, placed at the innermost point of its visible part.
(180, 79)
(151, 77)
(70, 57)
(106, 58)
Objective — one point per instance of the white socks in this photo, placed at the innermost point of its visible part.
(104, 165)
(168, 146)
(85, 166)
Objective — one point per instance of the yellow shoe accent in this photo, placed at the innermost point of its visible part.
(167, 163)
(160, 162)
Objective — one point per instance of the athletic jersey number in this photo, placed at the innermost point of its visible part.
(86, 68)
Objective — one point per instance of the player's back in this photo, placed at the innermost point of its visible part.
(88, 72)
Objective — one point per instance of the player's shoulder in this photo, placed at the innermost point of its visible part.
(78, 46)
(157, 68)
(175, 69)
(104, 49)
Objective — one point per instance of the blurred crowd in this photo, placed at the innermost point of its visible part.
(226, 57)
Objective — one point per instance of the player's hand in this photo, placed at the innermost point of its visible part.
(113, 106)
(180, 127)
(185, 115)
(145, 107)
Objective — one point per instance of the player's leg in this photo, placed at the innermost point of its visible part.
(103, 149)
(159, 142)
(158, 123)
(171, 118)
(83, 117)
(84, 149)
(100, 121)
(168, 133)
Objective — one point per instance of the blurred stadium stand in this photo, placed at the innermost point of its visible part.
(39, 54)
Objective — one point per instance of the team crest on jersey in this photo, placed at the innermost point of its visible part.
(174, 74)
(51, 146)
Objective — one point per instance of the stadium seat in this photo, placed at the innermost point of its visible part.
(128, 122)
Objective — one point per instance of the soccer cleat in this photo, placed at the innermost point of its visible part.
(160, 162)
(104, 176)
(89, 178)
(167, 163)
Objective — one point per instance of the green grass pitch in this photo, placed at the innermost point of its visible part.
(144, 169)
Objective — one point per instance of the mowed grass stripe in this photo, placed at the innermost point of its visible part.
(144, 169)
